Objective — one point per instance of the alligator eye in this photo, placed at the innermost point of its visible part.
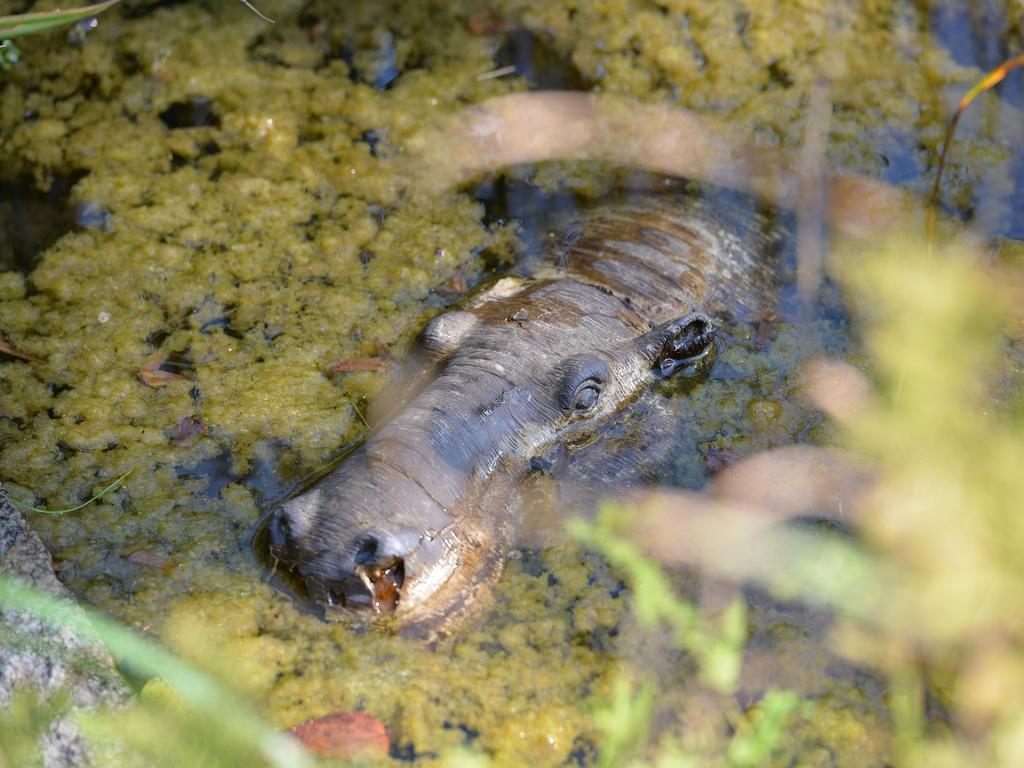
(583, 378)
(586, 397)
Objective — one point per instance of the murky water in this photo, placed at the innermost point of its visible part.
(192, 187)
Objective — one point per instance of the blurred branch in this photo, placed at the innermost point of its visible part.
(811, 202)
(551, 125)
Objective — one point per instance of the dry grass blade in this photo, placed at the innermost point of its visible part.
(255, 10)
(988, 82)
(7, 348)
(20, 24)
(374, 364)
(84, 504)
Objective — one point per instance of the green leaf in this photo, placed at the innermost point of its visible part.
(9, 54)
(754, 743)
(29, 23)
(625, 721)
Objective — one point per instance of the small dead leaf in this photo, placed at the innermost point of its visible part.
(8, 348)
(186, 428)
(454, 286)
(151, 375)
(150, 559)
(375, 364)
(487, 22)
(344, 735)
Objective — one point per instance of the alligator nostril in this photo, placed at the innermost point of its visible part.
(366, 551)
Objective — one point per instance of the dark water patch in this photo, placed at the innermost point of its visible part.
(372, 139)
(970, 31)
(178, 362)
(407, 753)
(195, 112)
(90, 215)
(274, 475)
(31, 220)
(541, 67)
(156, 338)
(134, 9)
(222, 324)
(216, 471)
(584, 753)
(540, 211)
(469, 735)
(375, 64)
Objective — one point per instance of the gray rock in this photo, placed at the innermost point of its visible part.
(52, 661)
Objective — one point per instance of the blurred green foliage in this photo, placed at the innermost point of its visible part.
(718, 646)
(944, 519)
(187, 719)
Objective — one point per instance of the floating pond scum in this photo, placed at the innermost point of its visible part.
(217, 251)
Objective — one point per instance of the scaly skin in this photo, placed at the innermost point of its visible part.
(429, 498)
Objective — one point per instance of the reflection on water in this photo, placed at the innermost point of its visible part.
(31, 220)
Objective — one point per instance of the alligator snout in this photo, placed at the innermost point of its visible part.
(371, 580)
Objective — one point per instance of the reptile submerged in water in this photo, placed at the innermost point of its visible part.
(416, 522)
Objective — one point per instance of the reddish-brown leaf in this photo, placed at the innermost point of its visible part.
(343, 734)
(487, 22)
(150, 559)
(151, 375)
(454, 286)
(8, 348)
(186, 428)
(359, 364)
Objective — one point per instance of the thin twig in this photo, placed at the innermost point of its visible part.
(360, 415)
